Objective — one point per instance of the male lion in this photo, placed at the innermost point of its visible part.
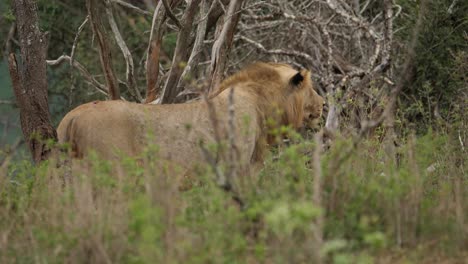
(261, 92)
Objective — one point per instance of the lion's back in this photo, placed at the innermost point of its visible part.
(106, 127)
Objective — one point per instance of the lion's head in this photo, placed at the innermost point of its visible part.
(290, 90)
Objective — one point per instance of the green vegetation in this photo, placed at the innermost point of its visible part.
(401, 201)
(374, 209)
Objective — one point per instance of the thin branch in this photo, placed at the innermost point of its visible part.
(197, 46)
(14, 74)
(9, 156)
(333, 5)
(222, 45)
(75, 41)
(170, 14)
(105, 55)
(132, 7)
(222, 180)
(233, 158)
(452, 6)
(259, 46)
(7, 102)
(317, 196)
(388, 34)
(82, 70)
(329, 75)
(9, 38)
(130, 72)
(405, 76)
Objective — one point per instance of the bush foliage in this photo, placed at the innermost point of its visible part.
(373, 209)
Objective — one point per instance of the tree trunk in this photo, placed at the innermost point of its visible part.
(154, 50)
(181, 54)
(30, 80)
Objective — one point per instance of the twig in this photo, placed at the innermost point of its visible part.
(461, 141)
(75, 41)
(130, 72)
(329, 76)
(153, 52)
(9, 38)
(9, 155)
(406, 74)
(83, 71)
(223, 181)
(333, 5)
(7, 102)
(233, 150)
(277, 51)
(317, 197)
(450, 9)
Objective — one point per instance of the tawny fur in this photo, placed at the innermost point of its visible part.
(118, 127)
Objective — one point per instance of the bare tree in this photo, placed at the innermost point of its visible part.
(30, 81)
(346, 46)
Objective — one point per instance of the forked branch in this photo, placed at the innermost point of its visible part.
(130, 73)
(223, 43)
(181, 53)
(95, 11)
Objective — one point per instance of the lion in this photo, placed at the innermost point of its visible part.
(259, 93)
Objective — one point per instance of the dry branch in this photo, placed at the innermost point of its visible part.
(317, 197)
(6, 102)
(75, 41)
(181, 54)
(132, 7)
(406, 74)
(95, 11)
(223, 43)
(224, 180)
(82, 70)
(9, 37)
(197, 46)
(153, 54)
(130, 73)
(291, 53)
(170, 14)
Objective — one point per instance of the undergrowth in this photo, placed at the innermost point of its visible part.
(409, 208)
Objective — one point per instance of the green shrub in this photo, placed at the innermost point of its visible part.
(132, 211)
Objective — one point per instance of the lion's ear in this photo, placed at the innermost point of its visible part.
(297, 79)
